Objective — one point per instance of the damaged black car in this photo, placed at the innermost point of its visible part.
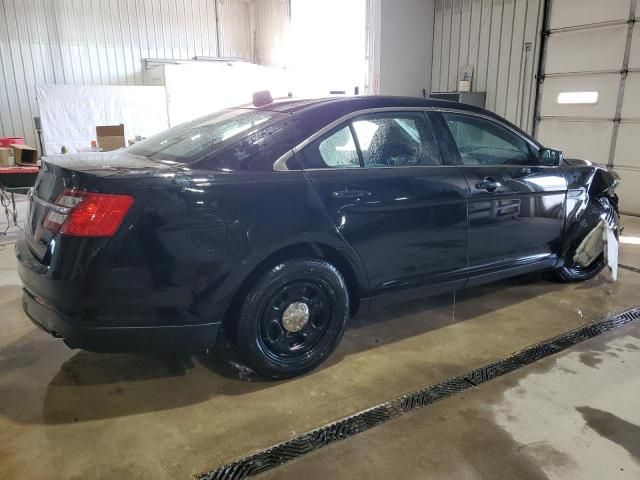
(279, 222)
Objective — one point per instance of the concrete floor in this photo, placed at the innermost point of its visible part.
(570, 416)
(9, 231)
(72, 414)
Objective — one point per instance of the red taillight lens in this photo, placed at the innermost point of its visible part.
(88, 214)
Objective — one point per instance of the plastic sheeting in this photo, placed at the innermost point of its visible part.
(70, 113)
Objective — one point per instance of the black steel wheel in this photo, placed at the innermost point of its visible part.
(292, 318)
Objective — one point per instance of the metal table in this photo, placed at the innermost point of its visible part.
(17, 179)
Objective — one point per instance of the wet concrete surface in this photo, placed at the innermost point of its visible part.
(555, 419)
(70, 414)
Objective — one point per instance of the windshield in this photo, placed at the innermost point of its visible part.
(192, 140)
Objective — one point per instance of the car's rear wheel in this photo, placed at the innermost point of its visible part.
(292, 318)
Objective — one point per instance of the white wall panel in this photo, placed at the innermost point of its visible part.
(569, 13)
(585, 140)
(634, 58)
(235, 29)
(592, 50)
(628, 190)
(631, 106)
(627, 152)
(104, 42)
(405, 46)
(271, 23)
(492, 36)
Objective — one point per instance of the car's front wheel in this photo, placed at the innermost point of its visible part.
(292, 318)
(571, 271)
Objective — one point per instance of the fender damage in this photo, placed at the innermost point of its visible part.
(592, 205)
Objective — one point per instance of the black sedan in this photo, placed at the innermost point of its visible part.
(278, 222)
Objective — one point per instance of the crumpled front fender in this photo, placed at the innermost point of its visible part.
(590, 198)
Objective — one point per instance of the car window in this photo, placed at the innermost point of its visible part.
(484, 142)
(396, 140)
(192, 140)
(338, 150)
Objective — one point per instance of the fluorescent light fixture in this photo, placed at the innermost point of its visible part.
(577, 98)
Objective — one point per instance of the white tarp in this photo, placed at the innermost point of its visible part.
(70, 113)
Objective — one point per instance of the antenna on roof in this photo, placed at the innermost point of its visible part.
(262, 98)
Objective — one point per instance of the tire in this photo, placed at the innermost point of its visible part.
(569, 273)
(292, 318)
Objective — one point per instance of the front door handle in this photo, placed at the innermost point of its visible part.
(351, 192)
(489, 184)
(523, 172)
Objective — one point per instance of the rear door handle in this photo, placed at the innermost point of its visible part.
(351, 192)
(489, 184)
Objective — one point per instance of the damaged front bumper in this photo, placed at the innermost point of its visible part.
(596, 233)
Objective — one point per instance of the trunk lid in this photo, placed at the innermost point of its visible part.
(90, 172)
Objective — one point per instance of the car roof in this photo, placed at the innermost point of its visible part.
(361, 102)
(298, 119)
(327, 109)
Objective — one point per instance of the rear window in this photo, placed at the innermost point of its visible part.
(193, 140)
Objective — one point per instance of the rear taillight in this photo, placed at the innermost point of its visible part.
(88, 214)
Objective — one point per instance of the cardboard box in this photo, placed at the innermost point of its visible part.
(24, 155)
(110, 137)
(5, 153)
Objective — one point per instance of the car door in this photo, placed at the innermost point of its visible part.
(382, 182)
(516, 204)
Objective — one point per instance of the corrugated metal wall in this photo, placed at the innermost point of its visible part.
(103, 42)
(500, 39)
(272, 18)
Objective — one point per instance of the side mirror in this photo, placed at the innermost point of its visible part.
(550, 157)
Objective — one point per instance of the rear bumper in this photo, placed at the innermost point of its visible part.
(76, 334)
(189, 338)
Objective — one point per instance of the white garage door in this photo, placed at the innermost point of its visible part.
(590, 103)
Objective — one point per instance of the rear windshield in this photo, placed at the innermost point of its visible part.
(192, 140)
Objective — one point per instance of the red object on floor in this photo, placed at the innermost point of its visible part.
(10, 170)
(8, 141)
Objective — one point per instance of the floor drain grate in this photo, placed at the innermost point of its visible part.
(361, 421)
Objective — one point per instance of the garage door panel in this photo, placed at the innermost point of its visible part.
(628, 146)
(606, 86)
(631, 105)
(586, 50)
(585, 140)
(628, 190)
(634, 58)
(569, 13)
